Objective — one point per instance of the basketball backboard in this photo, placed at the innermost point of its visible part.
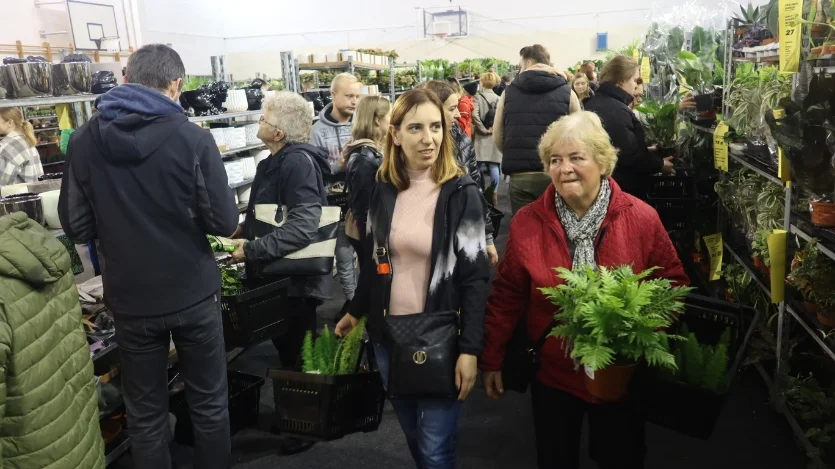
(444, 21)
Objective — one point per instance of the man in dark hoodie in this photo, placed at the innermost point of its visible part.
(148, 186)
(291, 177)
(538, 97)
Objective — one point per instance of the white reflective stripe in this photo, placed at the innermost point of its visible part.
(266, 213)
(323, 249)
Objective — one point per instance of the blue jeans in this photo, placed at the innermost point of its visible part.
(495, 175)
(430, 425)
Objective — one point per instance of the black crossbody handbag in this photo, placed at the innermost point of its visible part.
(423, 348)
(521, 360)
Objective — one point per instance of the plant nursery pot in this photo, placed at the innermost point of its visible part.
(704, 102)
(823, 213)
(816, 51)
(611, 384)
(759, 264)
(741, 31)
(826, 320)
(768, 41)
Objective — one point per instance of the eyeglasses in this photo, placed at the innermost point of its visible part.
(263, 120)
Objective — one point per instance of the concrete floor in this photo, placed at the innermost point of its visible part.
(499, 434)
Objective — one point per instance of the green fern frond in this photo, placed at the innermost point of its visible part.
(308, 363)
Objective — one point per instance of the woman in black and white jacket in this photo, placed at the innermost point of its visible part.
(433, 260)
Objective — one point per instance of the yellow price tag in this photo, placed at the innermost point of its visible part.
(645, 69)
(636, 55)
(720, 147)
(63, 113)
(777, 255)
(789, 14)
(715, 250)
(784, 170)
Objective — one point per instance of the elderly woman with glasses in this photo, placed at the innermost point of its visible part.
(583, 219)
(290, 177)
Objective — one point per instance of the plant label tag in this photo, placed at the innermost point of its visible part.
(645, 69)
(777, 241)
(589, 372)
(790, 13)
(636, 54)
(715, 249)
(783, 168)
(720, 147)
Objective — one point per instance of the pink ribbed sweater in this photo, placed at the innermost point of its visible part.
(411, 243)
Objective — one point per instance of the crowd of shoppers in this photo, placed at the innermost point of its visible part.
(148, 188)
(612, 102)
(538, 97)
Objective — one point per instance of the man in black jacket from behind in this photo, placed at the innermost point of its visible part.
(148, 185)
(537, 98)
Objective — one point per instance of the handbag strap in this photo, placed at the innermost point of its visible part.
(542, 338)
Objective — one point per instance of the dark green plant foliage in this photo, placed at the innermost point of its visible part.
(814, 407)
(616, 316)
(230, 281)
(702, 365)
(759, 247)
(813, 274)
(662, 122)
(330, 355)
(804, 134)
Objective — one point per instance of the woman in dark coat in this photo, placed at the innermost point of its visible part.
(636, 161)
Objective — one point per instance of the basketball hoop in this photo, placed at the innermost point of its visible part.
(440, 36)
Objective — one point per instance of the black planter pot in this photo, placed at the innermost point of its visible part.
(760, 152)
(704, 102)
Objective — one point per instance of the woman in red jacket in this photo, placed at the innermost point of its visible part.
(583, 218)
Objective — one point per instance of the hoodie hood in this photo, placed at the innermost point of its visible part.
(324, 117)
(135, 99)
(318, 155)
(134, 121)
(538, 81)
(29, 253)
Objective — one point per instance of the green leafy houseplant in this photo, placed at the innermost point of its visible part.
(330, 355)
(814, 407)
(614, 316)
(661, 122)
(759, 247)
(702, 365)
(813, 274)
(230, 280)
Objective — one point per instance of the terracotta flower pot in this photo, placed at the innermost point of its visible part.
(768, 41)
(811, 307)
(741, 31)
(827, 320)
(823, 213)
(611, 384)
(759, 264)
(816, 51)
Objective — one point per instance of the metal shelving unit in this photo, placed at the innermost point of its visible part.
(291, 66)
(227, 115)
(51, 101)
(239, 150)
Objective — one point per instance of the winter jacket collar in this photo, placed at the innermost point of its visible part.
(316, 154)
(545, 208)
(616, 92)
(538, 81)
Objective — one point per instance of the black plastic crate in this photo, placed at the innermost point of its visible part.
(675, 213)
(687, 409)
(255, 313)
(682, 185)
(496, 216)
(244, 404)
(324, 408)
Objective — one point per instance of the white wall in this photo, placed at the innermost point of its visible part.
(23, 21)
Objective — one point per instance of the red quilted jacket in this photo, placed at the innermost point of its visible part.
(466, 106)
(631, 234)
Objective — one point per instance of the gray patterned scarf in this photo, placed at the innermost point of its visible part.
(581, 232)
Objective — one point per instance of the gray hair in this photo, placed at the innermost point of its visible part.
(289, 112)
(155, 66)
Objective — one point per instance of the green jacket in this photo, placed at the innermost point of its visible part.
(48, 404)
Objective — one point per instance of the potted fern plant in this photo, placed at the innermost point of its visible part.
(615, 319)
(759, 250)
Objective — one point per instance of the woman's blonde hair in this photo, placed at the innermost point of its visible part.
(369, 109)
(24, 127)
(618, 70)
(581, 128)
(393, 169)
(490, 80)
